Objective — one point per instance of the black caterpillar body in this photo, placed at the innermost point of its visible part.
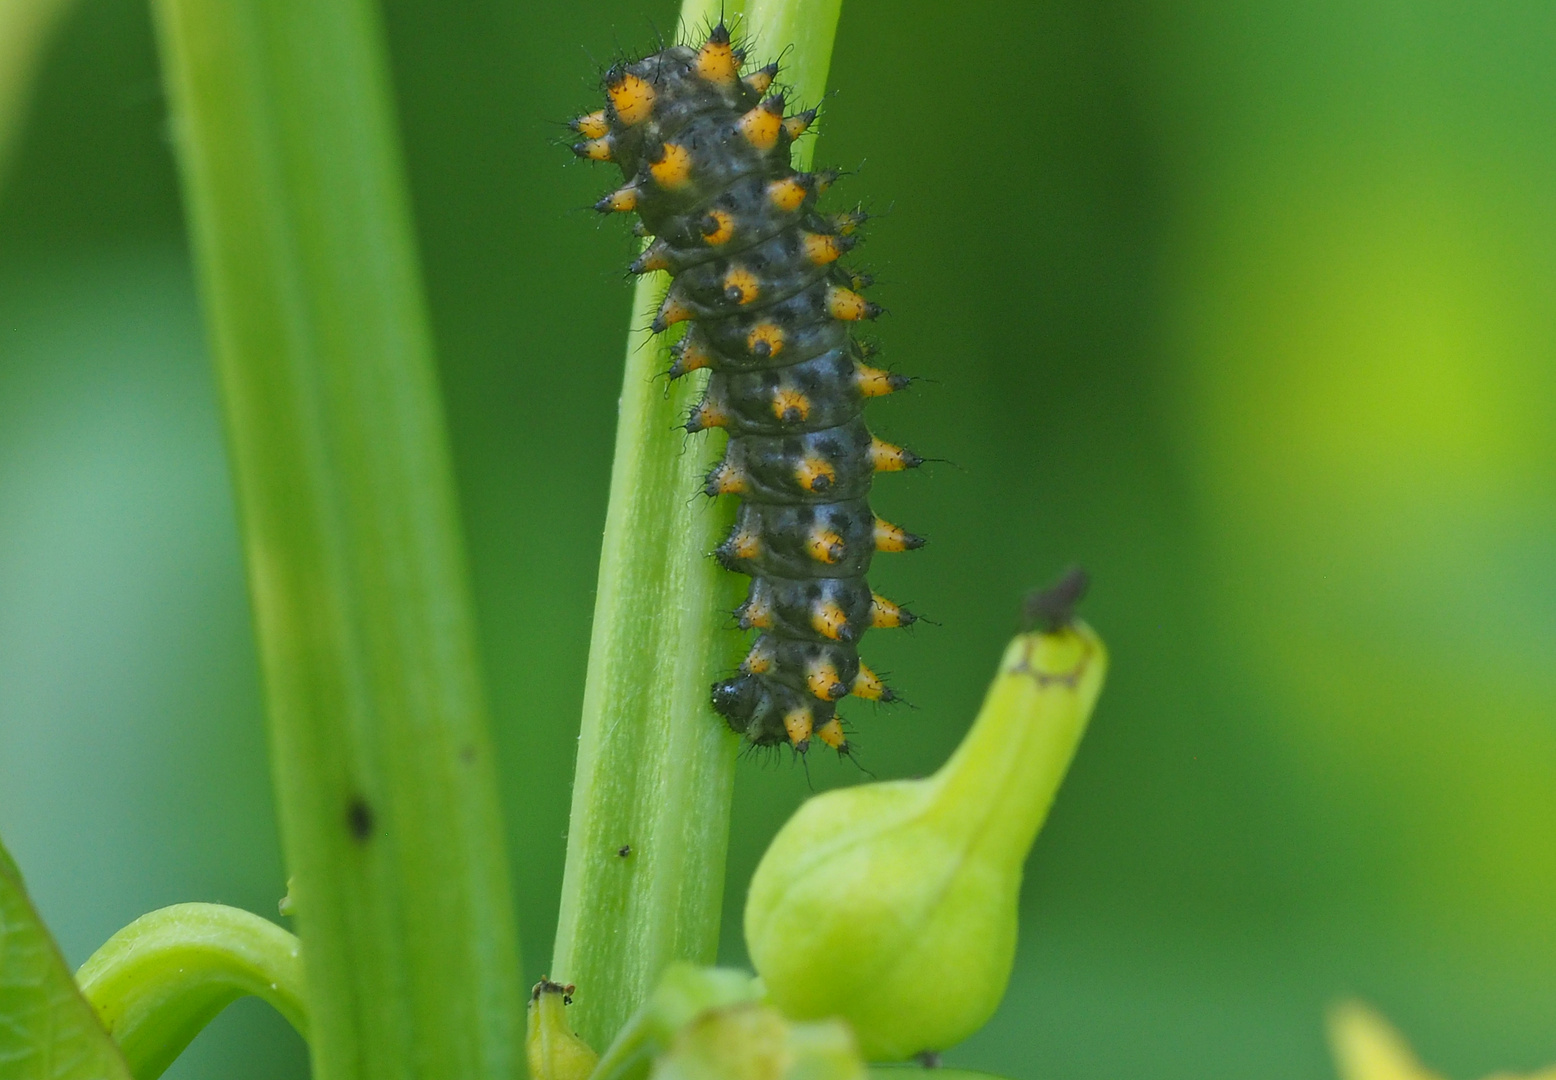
(706, 157)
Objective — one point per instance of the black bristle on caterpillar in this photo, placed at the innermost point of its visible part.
(705, 153)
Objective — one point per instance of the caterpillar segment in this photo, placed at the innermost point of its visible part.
(758, 279)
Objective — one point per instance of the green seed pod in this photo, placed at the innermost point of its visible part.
(893, 905)
(553, 1051)
(755, 1042)
(684, 993)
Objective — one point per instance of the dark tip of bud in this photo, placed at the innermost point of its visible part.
(906, 617)
(791, 415)
(821, 483)
(888, 695)
(581, 149)
(899, 382)
(773, 104)
(762, 349)
(604, 205)
(658, 326)
(720, 34)
(872, 311)
(733, 293)
(910, 460)
(847, 243)
(1050, 610)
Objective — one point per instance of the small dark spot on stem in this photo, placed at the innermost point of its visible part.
(467, 754)
(624, 850)
(929, 1059)
(359, 819)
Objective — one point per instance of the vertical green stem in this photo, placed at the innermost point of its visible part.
(655, 765)
(382, 763)
(807, 29)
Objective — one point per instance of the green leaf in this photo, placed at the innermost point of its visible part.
(47, 1031)
(25, 29)
(656, 766)
(287, 146)
(159, 981)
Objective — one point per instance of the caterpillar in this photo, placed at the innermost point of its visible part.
(705, 155)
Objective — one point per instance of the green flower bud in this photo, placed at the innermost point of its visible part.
(1367, 1047)
(553, 1051)
(893, 905)
(711, 1024)
(684, 992)
(755, 1042)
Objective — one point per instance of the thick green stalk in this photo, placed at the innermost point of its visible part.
(655, 765)
(806, 28)
(381, 757)
(159, 981)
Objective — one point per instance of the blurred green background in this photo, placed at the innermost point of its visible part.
(1250, 308)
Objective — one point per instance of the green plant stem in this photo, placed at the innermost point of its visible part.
(159, 981)
(380, 752)
(807, 29)
(655, 766)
